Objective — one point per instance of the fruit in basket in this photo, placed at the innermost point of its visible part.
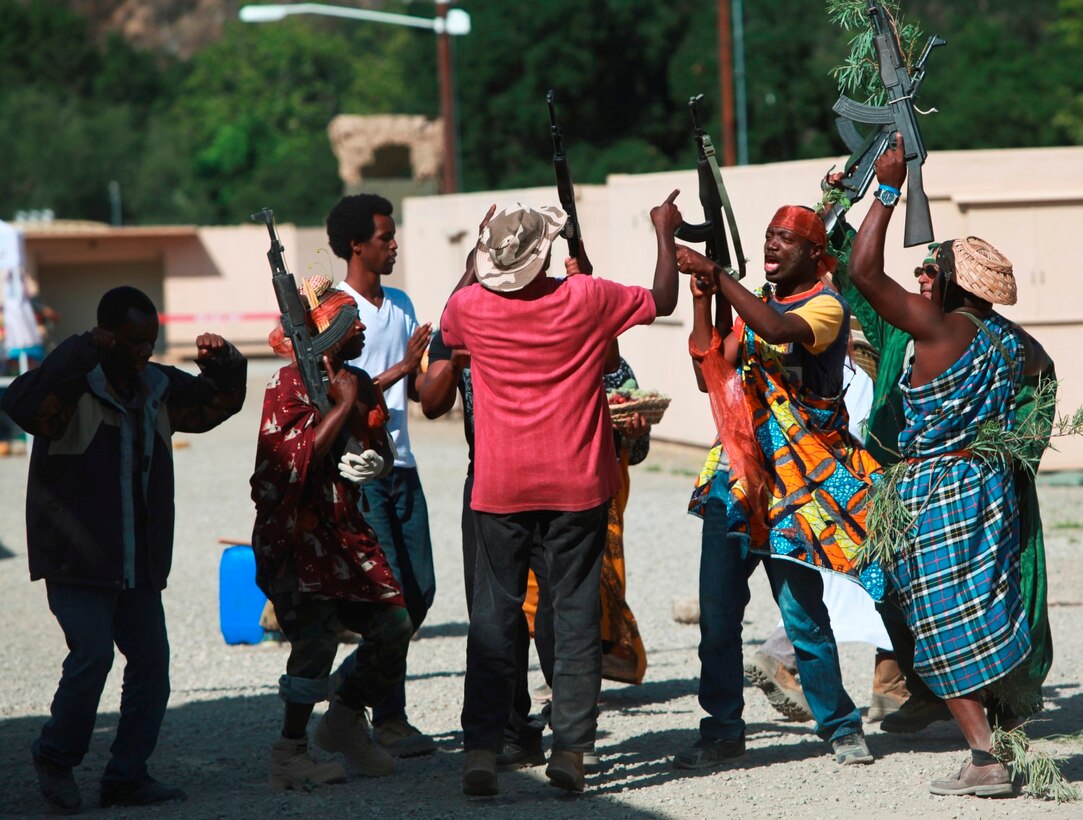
(619, 397)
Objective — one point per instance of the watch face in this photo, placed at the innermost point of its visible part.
(889, 198)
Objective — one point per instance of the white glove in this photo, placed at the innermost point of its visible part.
(361, 467)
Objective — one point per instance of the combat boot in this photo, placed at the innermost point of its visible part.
(292, 768)
(889, 690)
(346, 730)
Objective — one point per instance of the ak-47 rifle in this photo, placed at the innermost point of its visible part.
(713, 197)
(899, 115)
(565, 189)
(308, 350)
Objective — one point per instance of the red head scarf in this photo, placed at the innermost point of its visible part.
(807, 224)
(331, 302)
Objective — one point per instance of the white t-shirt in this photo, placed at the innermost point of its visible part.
(859, 391)
(387, 330)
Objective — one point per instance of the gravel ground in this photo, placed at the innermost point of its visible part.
(224, 712)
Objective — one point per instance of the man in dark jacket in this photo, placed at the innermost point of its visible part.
(99, 523)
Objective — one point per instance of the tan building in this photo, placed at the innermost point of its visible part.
(217, 279)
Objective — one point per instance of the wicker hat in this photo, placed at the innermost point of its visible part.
(514, 245)
(983, 270)
(322, 303)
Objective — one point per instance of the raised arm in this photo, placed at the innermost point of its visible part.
(666, 218)
(416, 346)
(197, 404)
(773, 327)
(470, 273)
(442, 379)
(43, 400)
(704, 290)
(342, 391)
(905, 310)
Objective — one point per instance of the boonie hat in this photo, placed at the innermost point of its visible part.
(514, 245)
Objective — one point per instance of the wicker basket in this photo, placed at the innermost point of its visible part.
(651, 409)
(865, 355)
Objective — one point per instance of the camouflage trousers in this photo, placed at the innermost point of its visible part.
(313, 624)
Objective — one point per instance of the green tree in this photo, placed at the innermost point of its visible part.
(1068, 30)
(251, 116)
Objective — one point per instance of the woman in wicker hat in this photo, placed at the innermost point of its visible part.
(958, 573)
(885, 423)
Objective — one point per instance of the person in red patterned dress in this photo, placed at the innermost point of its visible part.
(317, 559)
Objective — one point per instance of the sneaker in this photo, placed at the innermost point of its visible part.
(778, 683)
(346, 730)
(710, 752)
(916, 714)
(515, 756)
(292, 768)
(145, 792)
(400, 739)
(58, 786)
(981, 781)
(479, 773)
(889, 690)
(565, 770)
(851, 749)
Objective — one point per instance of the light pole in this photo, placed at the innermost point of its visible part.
(448, 21)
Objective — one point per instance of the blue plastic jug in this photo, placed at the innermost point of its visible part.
(240, 601)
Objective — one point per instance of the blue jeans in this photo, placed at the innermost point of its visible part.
(725, 567)
(572, 544)
(398, 513)
(93, 620)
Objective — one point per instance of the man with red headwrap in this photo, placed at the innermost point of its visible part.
(318, 560)
(793, 484)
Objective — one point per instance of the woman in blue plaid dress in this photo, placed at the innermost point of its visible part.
(958, 572)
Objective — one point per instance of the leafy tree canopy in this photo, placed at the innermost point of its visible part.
(243, 122)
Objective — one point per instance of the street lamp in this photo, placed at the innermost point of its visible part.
(447, 22)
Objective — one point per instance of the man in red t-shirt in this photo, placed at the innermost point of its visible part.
(544, 466)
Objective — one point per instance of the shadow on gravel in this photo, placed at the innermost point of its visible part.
(451, 629)
(653, 692)
(5, 552)
(645, 761)
(218, 751)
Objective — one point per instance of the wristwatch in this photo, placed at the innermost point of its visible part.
(887, 195)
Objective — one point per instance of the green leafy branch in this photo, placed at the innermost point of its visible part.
(888, 520)
(1041, 776)
(1032, 434)
(859, 75)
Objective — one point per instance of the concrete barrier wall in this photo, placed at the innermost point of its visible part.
(1027, 202)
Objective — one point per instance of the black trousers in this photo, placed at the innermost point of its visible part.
(572, 544)
(521, 730)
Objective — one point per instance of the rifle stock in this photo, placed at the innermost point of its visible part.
(565, 188)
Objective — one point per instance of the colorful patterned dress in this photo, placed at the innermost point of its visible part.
(958, 574)
(802, 493)
(309, 536)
